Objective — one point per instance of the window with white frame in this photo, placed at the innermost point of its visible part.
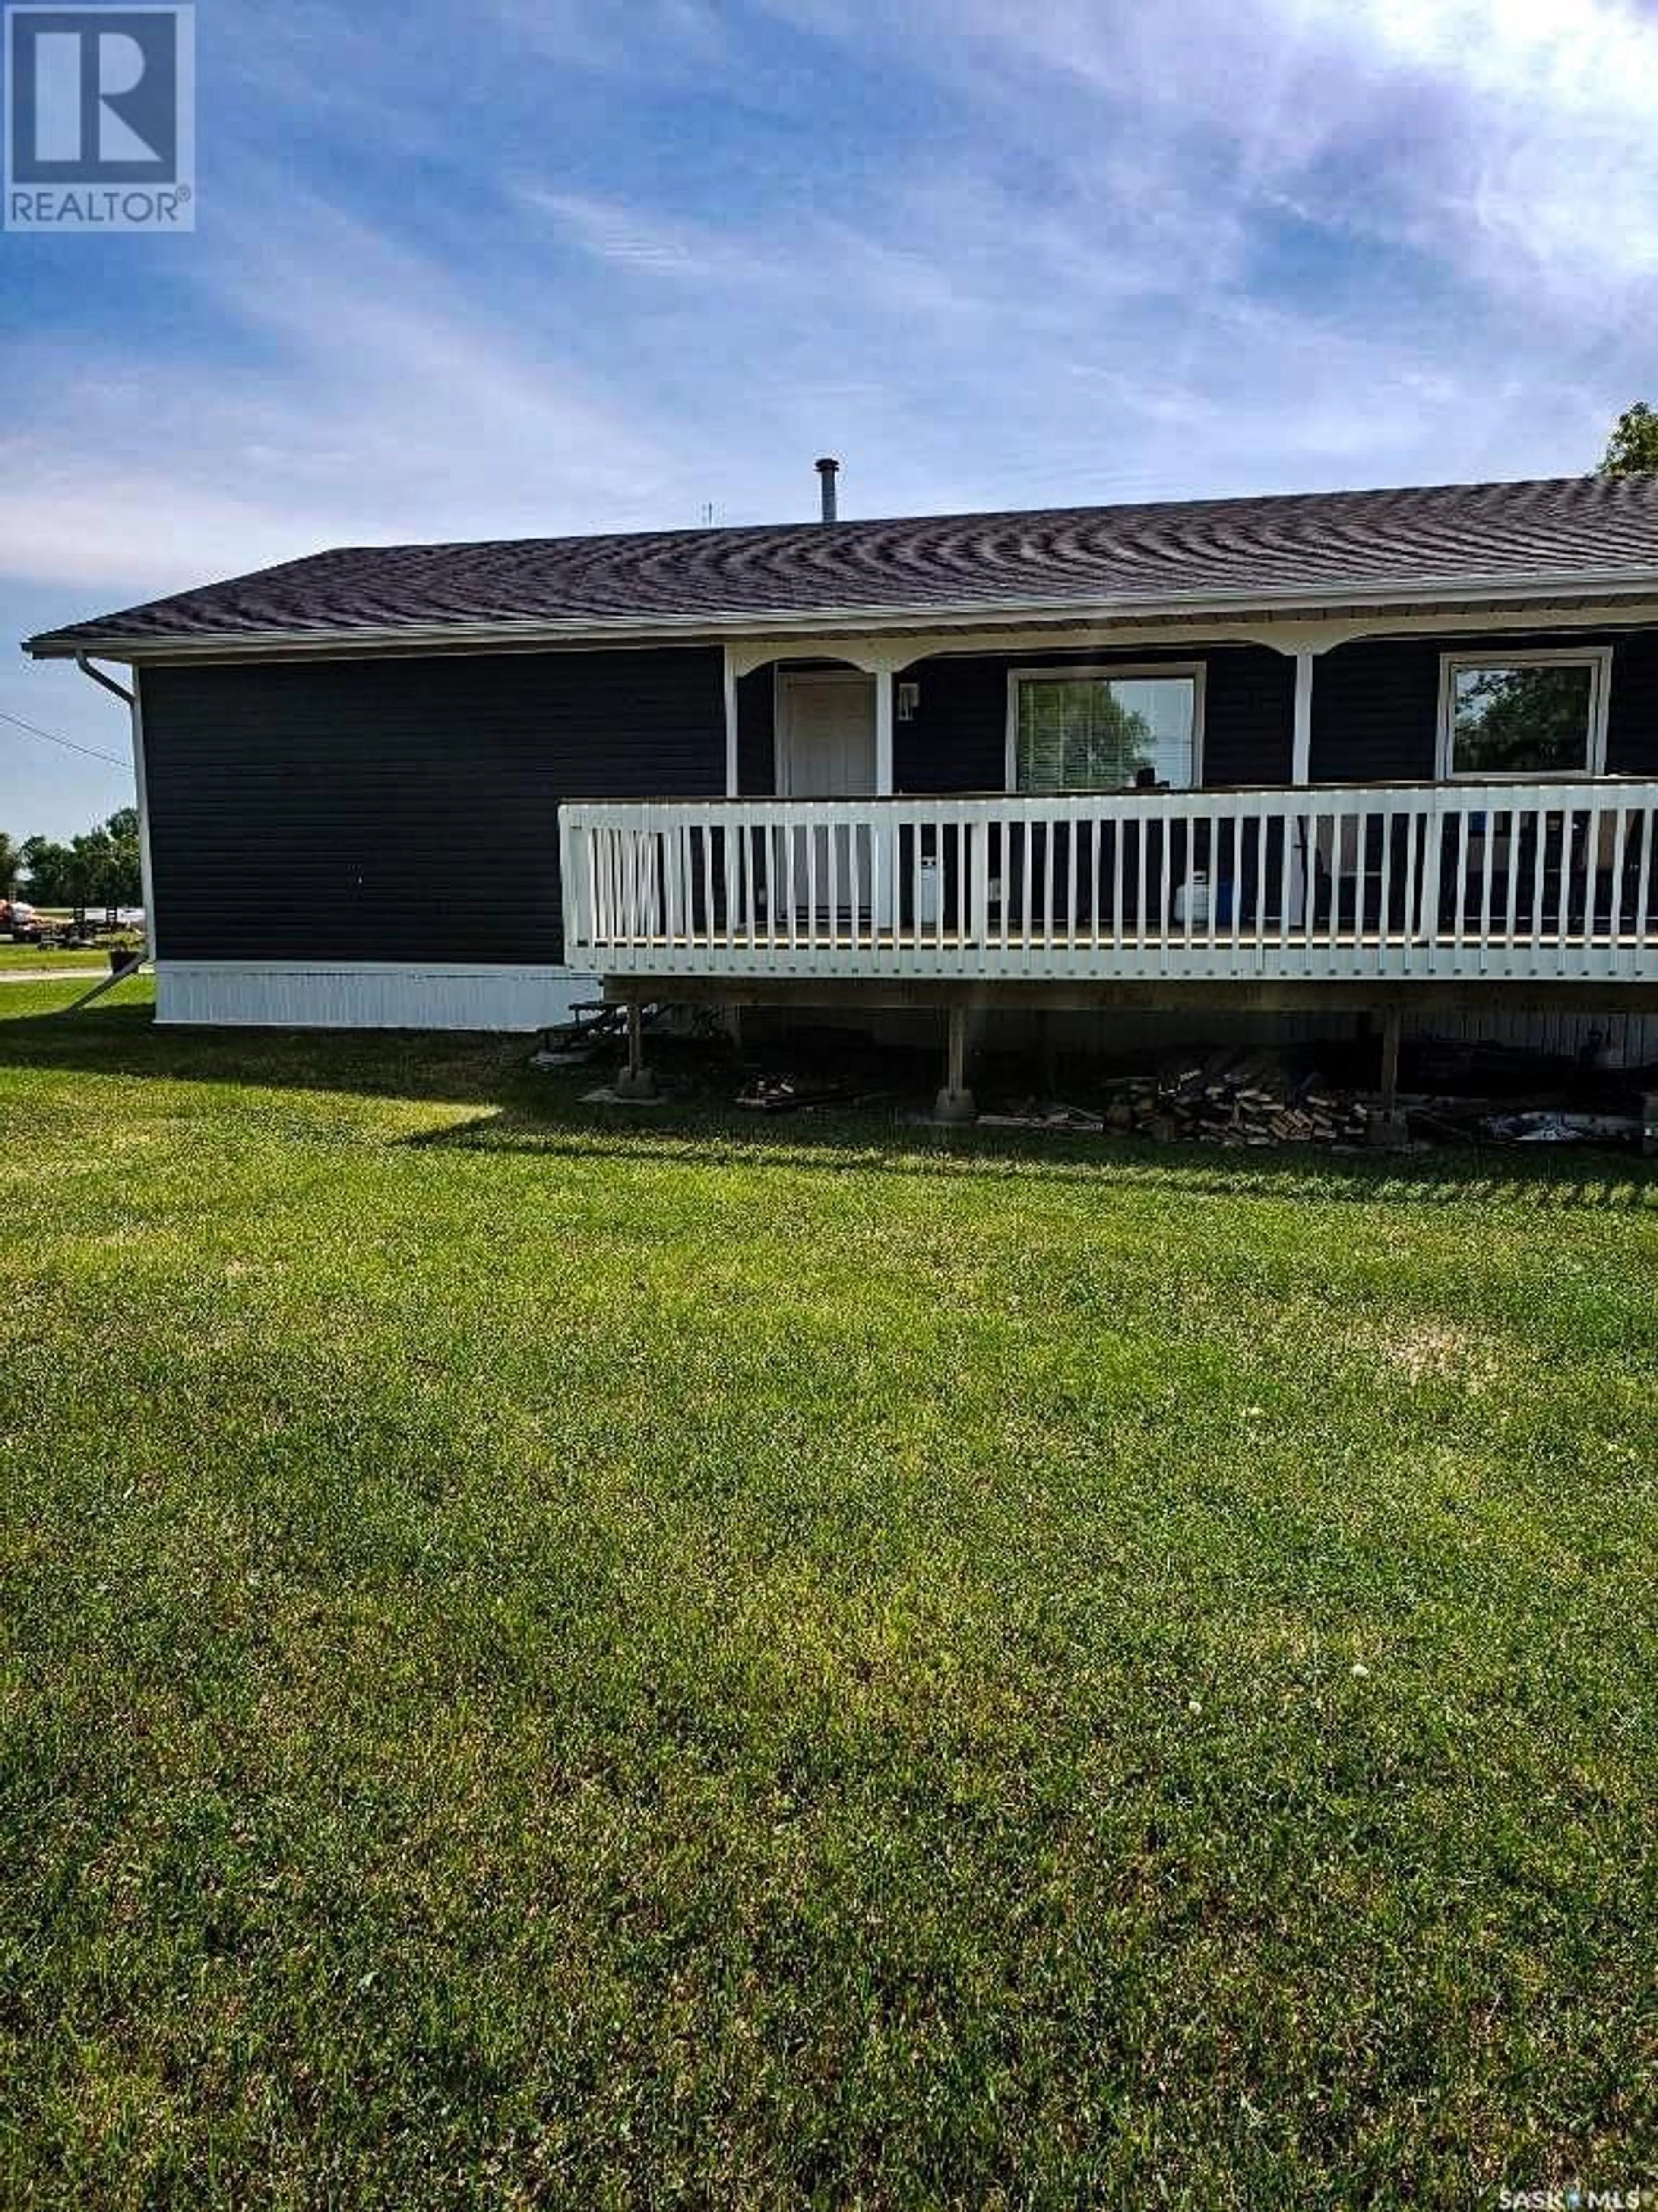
(1097, 729)
(1524, 714)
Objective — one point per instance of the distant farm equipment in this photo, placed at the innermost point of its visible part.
(68, 930)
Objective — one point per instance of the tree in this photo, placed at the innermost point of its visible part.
(101, 867)
(11, 864)
(1515, 721)
(1632, 449)
(126, 860)
(1080, 736)
(91, 869)
(47, 864)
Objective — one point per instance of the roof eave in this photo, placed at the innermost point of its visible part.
(1281, 603)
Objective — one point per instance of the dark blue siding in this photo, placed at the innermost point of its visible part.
(757, 757)
(403, 810)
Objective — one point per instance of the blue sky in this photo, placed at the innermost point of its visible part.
(530, 266)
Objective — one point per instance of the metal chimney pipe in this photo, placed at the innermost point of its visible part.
(829, 470)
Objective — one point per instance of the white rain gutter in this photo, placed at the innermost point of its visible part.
(1546, 587)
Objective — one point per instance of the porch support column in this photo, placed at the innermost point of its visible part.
(733, 767)
(1301, 771)
(1300, 768)
(884, 718)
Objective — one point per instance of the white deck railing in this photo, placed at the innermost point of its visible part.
(1505, 881)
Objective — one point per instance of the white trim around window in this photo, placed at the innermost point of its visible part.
(1596, 657)
(1195, 671)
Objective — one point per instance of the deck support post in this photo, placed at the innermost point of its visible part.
(956, 1103)
(1392, 1027)
(1390, 1130)
(635, 1080)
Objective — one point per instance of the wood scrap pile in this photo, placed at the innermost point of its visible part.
(1235, 1098)
(1043, 1114)
(799, 1093)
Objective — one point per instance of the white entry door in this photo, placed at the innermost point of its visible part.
(826, 750)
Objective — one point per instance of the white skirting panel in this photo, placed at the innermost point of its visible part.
(326, 994)
(1627, 1040)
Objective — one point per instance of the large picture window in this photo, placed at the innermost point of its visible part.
(1524, 714)
(1091, 729)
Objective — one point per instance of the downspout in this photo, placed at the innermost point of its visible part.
(131, 700)
(83, 662)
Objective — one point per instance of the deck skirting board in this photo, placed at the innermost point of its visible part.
(328, 994)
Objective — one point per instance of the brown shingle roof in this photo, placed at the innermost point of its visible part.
(1104, 559)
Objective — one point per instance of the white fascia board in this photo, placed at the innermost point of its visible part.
(529, 635)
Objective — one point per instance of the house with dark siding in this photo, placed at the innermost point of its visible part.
(1387, 751)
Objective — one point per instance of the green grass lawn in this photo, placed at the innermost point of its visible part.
(549, 1658)
(15, 957)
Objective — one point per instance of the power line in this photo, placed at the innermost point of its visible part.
(51, 738)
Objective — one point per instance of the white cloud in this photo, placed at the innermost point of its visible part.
(1511, 139)
(384, 403)
(1067, 290)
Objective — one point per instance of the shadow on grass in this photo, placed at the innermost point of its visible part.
(543, 1114)
(454, 1067)
(873, 1143)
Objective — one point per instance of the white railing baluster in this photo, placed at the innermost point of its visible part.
(1384, 893)
(1539, 866)
(1512, 872)
(1263, 904)
(1211, 923)
(1285, 871)
(1189, 939)
(1649, 820)
(1568, 871)
(1464, 831)
(1166, 892)
(1488, 854)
